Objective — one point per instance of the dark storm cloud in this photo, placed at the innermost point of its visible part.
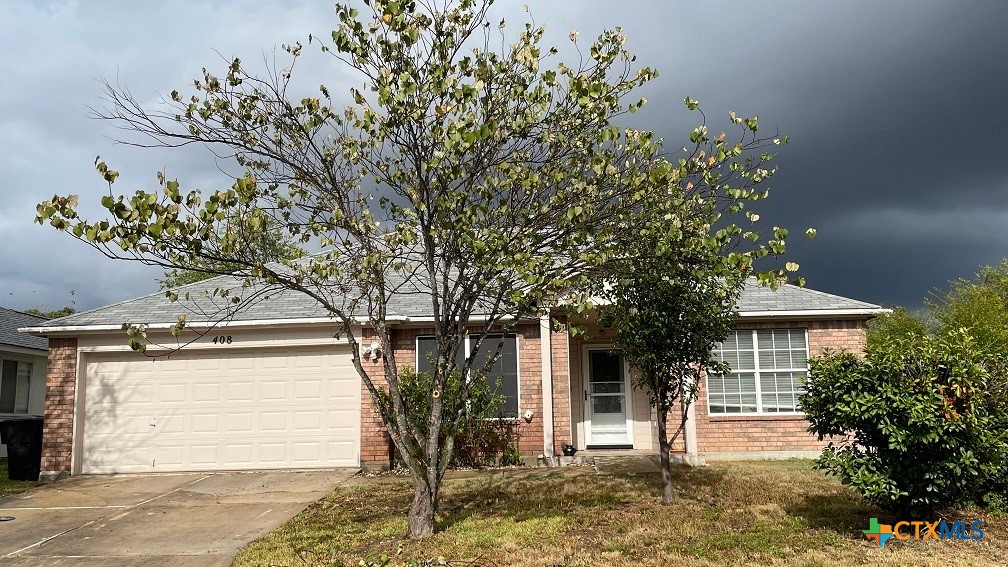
(894, 109)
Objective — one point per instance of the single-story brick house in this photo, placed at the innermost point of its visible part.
(273, 388)
(22, 367)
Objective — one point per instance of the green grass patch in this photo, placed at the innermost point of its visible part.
(745, 513)
(7, 486)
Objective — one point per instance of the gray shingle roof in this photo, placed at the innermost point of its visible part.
(287, 304)
(11, 321)
(756, 298)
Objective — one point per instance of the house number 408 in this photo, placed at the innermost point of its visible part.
(222, 340)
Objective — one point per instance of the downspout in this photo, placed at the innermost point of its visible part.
(546, 350)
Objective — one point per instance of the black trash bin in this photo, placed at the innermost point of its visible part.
(23, 437)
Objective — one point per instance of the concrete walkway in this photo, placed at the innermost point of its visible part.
(626, 464)
(184, 519)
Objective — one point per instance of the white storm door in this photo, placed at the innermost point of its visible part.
(607, 400)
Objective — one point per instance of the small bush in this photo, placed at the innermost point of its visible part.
(481, 440)
(916, 425)
(487, 442)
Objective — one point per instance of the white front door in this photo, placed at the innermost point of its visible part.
(607, 400)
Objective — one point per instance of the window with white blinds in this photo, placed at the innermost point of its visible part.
(768, 372)
(15, 380)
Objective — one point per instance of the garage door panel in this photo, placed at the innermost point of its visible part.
(276, 409)
(270, 422)
(240, 392)
(115, 394)
(307, 363)
(206, 363)
(204, 456)
(171, 393)
(172, 425)
(242, 363)
(206, 392)
(273, 391)
(205, 423)
(170, 456)
(307, 390)
(240, 423)
(274, 453)
(341, 420)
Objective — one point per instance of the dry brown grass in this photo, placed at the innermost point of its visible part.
(759, 513)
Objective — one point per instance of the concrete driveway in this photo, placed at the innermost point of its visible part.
(184, 519)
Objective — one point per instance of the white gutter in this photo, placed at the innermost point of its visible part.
(812, 313)
(42, 331)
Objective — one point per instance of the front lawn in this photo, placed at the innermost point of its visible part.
(780, 513)
(8, 487)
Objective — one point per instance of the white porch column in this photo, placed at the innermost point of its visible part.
(690, 436)
(690, 433)
(546, 350)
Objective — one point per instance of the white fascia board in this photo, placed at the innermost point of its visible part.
(41, 331)
(308, 321)
(812, 313)
(472, 319)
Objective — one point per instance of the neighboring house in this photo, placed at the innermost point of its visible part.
(273, 388)
(22, 367)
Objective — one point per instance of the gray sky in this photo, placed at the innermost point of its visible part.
(896, 112)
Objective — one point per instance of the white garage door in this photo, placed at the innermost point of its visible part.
(221, 411)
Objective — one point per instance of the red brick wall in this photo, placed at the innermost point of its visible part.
(57, 432)
(775, 433)
(560, 368)
(530, 390)
(374, 444)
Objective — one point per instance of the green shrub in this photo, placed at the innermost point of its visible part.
(487, 442)
(916, 424)
(481, 440)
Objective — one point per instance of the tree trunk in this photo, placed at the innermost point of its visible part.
(663, 447)
(423, 509)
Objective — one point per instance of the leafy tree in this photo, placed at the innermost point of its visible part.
(674, 290)
(980, 305)
(491, 180)
(262, 245)
(919, 427)
(668, 318)
(936, 385)
(898, 324)
(54, 314)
